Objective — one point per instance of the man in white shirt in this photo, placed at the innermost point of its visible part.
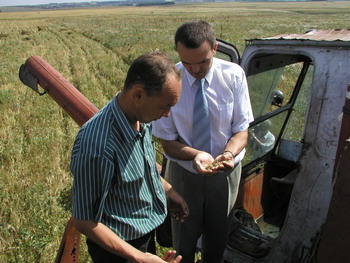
(207, 180)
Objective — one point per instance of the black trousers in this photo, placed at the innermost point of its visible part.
(100, 255)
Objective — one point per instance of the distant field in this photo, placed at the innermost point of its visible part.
(93, 48)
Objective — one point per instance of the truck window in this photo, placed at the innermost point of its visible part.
(279, 87)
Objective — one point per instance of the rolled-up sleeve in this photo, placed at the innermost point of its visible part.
(242, 114)
(165, 129)
(92, 176)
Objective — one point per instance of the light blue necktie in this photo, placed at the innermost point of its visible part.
(201, 120)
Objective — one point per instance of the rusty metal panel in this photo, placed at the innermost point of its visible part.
(316, 35)
(345, 127)
(70, 245)
(249, 195)
(335, 240)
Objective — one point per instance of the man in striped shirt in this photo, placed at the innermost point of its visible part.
(118, 196)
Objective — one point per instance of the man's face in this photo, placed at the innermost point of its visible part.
(197, 61)
(157, 106)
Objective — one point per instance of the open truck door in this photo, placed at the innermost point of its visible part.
(227, 51)
(279, 87)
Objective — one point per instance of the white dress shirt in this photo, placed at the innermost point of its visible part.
(230, 110)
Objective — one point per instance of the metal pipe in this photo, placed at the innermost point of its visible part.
(37, 70)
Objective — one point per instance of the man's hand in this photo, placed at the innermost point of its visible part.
(221, 163)
(226, 161)
(201, 162)
(177, 206)
(169, 256)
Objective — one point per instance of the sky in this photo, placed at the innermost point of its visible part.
(40, 2)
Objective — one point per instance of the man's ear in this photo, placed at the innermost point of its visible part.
(215, 48)
(138, 94)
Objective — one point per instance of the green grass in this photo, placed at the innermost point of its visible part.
(93, 48)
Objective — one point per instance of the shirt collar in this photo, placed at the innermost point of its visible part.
(208, 77)
(210, 74)
(128, 132)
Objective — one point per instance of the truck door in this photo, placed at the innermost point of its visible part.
(279, 87)
(227, 51)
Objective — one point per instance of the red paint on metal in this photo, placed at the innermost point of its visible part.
(63, 92)
(68, 251)
(249, 194)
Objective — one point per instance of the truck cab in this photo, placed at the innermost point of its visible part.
(297, 85)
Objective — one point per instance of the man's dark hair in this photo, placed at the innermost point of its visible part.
(152, 71)
(193, 33)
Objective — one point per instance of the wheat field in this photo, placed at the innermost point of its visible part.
(93, 49)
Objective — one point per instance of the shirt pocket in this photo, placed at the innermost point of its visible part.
(225, 115)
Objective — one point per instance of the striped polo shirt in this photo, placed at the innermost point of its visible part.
(116, 181)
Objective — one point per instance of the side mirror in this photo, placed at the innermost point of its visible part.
(277, 98)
